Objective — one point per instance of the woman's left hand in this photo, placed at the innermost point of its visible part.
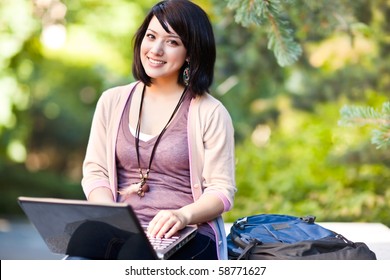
(167, 222)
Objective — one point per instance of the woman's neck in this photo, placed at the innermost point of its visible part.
(165, 88)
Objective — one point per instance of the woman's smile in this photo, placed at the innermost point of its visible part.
(155, 61)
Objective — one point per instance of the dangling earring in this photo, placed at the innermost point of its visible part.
(186, 74)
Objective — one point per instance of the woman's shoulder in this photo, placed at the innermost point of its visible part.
(118, 91)
(209, 107)
(207, 100)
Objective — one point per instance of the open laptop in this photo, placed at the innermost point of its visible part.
(57, 220)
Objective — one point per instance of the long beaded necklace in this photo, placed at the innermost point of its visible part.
(144, 188)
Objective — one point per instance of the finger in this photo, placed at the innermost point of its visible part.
(156, 223)
(163, 230)
(174, 229)
(171, 226)
(162, 223)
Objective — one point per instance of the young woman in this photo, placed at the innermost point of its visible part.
(163, 144)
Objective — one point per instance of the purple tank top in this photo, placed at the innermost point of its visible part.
(169, 178)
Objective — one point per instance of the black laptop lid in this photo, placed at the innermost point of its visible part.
(56, 219)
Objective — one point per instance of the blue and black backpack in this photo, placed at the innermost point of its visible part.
(284, 237)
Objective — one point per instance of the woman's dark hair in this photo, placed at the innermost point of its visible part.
(192, 24)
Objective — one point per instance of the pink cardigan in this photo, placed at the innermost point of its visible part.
(211, 148)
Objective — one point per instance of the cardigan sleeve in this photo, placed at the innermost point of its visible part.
(219, 159)
(99, 168)
(95, 165)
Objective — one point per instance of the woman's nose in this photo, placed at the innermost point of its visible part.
(157, 48)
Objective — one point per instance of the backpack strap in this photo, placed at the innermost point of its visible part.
(248, 249)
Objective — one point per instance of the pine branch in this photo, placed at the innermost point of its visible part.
(280, 36)
(281, 40)
(386, 109)
(247, 12)
(360, 116)
(381, 137)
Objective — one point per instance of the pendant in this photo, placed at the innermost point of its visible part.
(143, 188)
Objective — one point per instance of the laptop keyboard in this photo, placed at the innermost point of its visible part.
(162, 243)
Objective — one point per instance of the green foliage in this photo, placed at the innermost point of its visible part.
(313, 169)
(280, 34)
(286, 50)
(307, 168)
(16, 181)
(352, 115)
(48, 95)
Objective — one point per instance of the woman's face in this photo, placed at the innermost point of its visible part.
(162, 54)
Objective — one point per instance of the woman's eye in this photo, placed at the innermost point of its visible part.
(150, 36)
(173, 42)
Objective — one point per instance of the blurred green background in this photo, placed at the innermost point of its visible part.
(56, 58)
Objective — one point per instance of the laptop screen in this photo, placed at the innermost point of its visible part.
(56, 219)
(71, 224)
